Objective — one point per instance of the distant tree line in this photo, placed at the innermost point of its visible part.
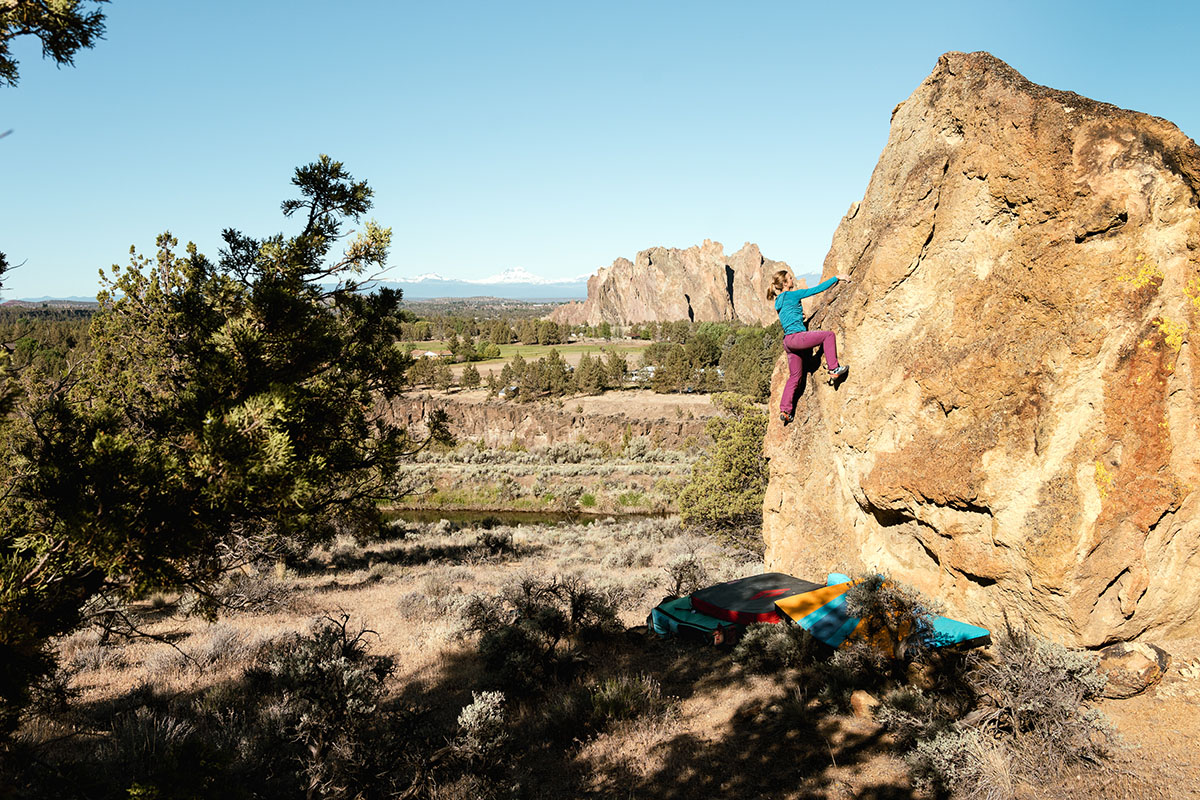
(499, 331)
(694, 357)
(713, 357)
(550, 376)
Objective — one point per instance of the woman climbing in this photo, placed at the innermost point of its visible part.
(797, 337)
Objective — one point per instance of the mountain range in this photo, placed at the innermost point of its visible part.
(515, 283)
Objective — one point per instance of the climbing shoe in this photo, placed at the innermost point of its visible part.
(785, 417)
(837, 374)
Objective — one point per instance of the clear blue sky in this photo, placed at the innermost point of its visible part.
(550, 136)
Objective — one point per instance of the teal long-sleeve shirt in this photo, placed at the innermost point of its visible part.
(791, 312)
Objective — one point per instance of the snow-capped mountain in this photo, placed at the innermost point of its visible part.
(515, 283)
(428, 276)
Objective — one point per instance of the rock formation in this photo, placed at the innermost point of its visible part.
(1018, 434)
(542, 424)
(667, 285)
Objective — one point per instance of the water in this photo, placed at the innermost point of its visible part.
(489, 519)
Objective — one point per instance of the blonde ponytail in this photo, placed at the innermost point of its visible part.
(777, 283)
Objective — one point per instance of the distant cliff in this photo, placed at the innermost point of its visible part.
(1020, 431)
(700, 284)
(497, 424)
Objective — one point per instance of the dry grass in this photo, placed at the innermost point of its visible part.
(702, 726)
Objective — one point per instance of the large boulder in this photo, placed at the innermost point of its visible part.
(699, 284)
(1018, 433)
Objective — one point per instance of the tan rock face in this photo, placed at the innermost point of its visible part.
(701, 284)
(1018, 432)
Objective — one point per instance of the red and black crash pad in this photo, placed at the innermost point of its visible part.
(748, 600)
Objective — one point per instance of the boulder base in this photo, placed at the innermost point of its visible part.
(1132, 668)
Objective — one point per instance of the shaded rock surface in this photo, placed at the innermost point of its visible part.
(662, 284)
(1019, 430)
(1132, 668)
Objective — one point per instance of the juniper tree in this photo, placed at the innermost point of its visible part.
(617, 368)
(443, 378)
(470, 377)
(229, 405)
(726, 489)
(63, 26)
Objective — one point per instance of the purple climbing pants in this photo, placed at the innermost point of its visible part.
(793, 343)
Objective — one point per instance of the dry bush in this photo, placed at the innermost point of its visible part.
(626, 697)
(685, 574)
(766, 647)
(1025, 719)
(580, 710)
(895, 617)
(965, 762)
(483, 727)
(527, 634)
(87, 649)
(308, 717)
(1035, 692)
(912, 715)
(631, 554)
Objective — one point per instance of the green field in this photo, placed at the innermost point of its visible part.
(531, 352)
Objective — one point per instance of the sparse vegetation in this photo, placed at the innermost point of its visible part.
(489, 676)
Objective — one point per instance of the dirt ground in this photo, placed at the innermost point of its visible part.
(729, 733)
(1161, 729)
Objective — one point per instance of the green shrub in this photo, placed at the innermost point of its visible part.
(632, 498)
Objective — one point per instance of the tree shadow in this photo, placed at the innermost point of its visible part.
(782, 743)
(415, 554)
(785, 744)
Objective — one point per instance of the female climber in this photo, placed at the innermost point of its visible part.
(797, 337)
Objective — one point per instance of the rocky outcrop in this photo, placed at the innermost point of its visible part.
(1018, 434)
(700, 284)
(500, 424)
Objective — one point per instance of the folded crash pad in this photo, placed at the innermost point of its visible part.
(822, 612)
(677, 617)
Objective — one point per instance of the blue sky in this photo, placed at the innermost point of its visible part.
(549, 136)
